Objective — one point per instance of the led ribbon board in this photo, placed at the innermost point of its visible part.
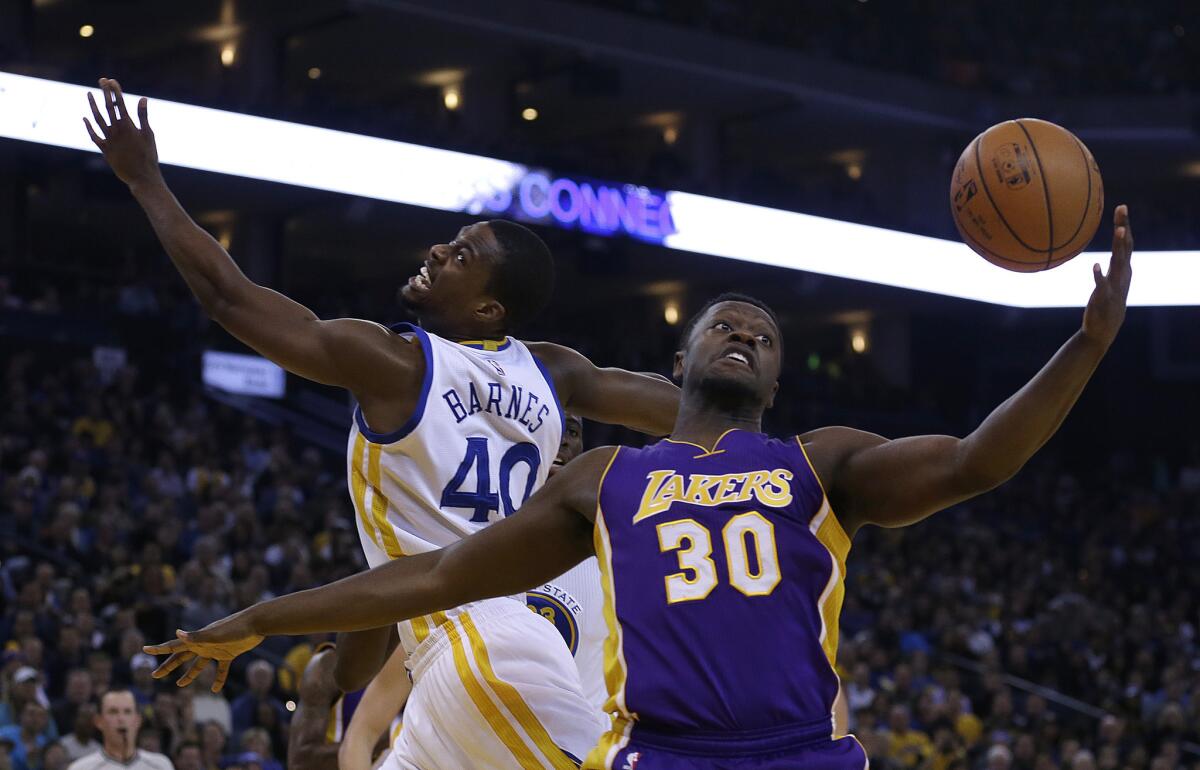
(48, 112)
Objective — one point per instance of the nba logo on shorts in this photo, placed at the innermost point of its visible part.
(496, 366)
(631, 761)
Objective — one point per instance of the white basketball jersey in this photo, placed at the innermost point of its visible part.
(481, 439)
(574, 603)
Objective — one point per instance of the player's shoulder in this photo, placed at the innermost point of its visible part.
(838, 438)
(554, 355)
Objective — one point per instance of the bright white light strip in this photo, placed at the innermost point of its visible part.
(49, 112)
(847, 250)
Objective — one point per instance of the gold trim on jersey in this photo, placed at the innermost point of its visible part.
(614, 657)
(605, 752)
(491, 713)
(380, 503)
(707, 452)
(490, 346)
(829, 533)
(512, 700)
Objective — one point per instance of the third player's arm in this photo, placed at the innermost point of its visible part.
(644, 402)
(551, 533)
(346, 352)
(894, 483)
(384, 698)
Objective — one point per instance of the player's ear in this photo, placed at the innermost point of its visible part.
(677, 369)
(490, 311)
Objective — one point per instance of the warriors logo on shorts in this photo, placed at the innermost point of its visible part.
(560, 608)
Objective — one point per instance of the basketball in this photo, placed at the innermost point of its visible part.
(1026, 195)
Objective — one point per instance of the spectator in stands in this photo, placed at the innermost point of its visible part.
(213, 739)
(209, 707)
(260, 677)
(81, 740)
(189, 757)
(28, 737)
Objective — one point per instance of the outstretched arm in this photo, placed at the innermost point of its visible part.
(384, 698)
(550, 534)
(350, 353)
(643, 401)
(871, 480)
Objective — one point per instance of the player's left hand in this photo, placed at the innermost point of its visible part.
(220, 642)
(1106, 309)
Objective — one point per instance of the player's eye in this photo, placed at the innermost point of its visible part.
(722, 326)
(462, 257)
(765, 340)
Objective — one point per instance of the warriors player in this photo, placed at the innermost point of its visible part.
(721, 551)
(456, 426)
(573, 601)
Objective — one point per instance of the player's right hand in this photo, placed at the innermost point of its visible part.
(129, 149)
(220, 642)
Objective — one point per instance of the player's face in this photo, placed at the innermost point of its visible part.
(118, 715)
(451, 286)
(733, 352)
(571, 445)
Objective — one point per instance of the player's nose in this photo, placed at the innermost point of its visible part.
(743, 337)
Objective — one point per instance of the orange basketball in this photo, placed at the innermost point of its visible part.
(1026, 195)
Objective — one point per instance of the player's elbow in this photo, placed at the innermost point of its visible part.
(979, 471)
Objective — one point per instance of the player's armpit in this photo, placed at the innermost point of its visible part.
(891, 483)
(643, 402)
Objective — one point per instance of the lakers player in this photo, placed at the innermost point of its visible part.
(322, 716)
(723, 550)
(456, 426)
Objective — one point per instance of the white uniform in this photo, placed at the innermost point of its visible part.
(574, 603)
(493, 685)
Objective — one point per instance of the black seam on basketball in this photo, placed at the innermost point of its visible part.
(994, 255)
(1088, 204)
(999, 213)
(1045, 189)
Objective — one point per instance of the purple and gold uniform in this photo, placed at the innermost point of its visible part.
(723, 577)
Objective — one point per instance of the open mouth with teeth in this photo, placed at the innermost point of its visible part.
(422, 281)
(739, 357)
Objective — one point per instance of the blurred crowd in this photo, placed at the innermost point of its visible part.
(1018, 48)
(1052, 623)
(130, 507)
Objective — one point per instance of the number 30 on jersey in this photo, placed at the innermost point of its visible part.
(744, 533)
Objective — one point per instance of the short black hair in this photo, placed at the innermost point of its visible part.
(524, 278)
(729, 296)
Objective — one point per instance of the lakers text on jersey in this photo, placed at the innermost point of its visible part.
(723, 576)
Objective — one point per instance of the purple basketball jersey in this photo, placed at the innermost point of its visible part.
(723, 578)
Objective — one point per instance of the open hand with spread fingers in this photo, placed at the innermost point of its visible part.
(218, 642)
(129, 148)
(1106, 308)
